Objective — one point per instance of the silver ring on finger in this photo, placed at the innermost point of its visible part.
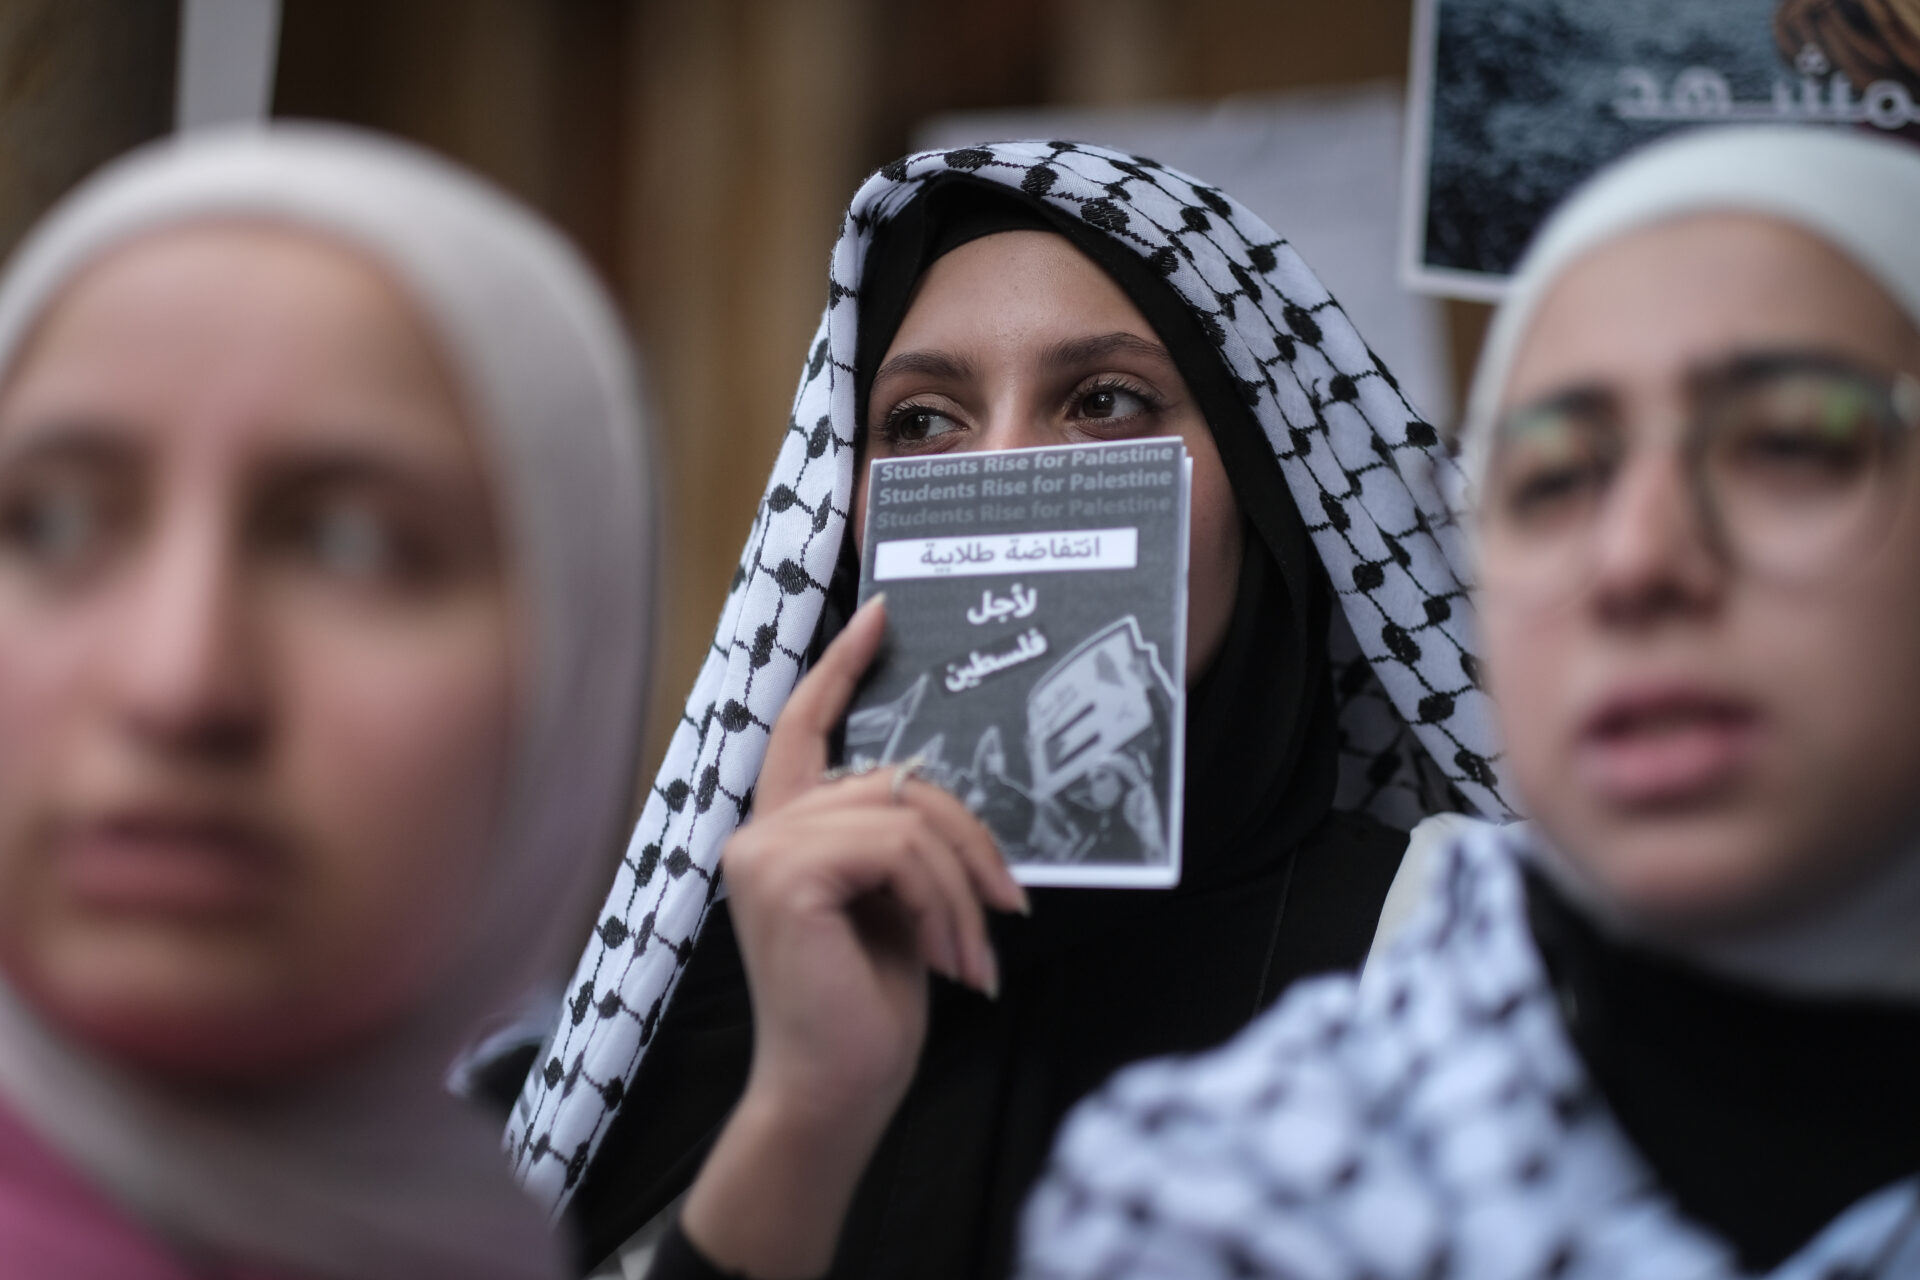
(907, 770)
(857, 769)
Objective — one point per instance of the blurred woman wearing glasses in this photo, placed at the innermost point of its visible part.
(1672, 1026)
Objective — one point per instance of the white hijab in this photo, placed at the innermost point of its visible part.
(1860, 194)
(370, 1169)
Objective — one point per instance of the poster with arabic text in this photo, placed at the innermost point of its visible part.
(1036, 644)
(1512, 105)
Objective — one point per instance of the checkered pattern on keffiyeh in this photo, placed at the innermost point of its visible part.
(1430, 1119)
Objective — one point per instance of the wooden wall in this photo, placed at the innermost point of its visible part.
(80, 82)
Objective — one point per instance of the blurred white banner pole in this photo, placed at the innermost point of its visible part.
(227, 52)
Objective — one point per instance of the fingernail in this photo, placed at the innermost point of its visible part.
(1022, 903)
(878, 597)
(992, 985)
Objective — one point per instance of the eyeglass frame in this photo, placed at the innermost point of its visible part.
(1463, 492)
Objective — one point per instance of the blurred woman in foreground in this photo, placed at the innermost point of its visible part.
(322, 577)
(1671, 1027)
(859, 1116)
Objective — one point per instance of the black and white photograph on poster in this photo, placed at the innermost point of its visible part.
(1036, 640)
(1511, 106)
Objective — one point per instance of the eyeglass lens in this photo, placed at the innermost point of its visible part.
(1794, 468)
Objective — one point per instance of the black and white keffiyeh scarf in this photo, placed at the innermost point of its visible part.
(1416, 730)
(1430, 1118)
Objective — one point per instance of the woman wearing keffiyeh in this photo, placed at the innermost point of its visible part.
(995, 297)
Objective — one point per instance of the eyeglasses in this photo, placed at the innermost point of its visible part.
(1795, 465)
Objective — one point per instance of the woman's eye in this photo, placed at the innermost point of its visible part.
(1798, 444)
(1537, 493)
(353, 542)
(1786, 453)
(1546, 473)
(55, 526)
(1111, 402)
(1803, 431)
(912, 425)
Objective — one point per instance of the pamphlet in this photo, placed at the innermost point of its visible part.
(1036, 648)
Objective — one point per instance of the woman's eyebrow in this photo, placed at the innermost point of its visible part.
(1079, 351)
(1752, 365)
(1590, 399)
(90, 443)
(931, 364)
(344, 467)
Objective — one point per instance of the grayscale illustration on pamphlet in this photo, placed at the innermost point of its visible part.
(1036, 637)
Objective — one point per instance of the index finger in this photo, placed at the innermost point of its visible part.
(797, 747)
